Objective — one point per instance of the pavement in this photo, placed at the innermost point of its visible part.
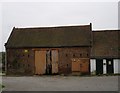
(60, 83)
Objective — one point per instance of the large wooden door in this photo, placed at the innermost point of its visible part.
(54, 61)
(40, 62)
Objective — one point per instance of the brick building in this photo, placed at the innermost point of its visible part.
(105, 52)
(62, 50)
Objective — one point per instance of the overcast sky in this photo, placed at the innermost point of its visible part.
(102, 15)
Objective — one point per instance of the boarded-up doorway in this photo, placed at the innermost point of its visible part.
(54, 61)
(40, 62)
(80, 66)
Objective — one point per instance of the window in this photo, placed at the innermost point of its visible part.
(66, 55)
(28, 65)
(67, 65)
(23, 65)
(109, 62)
(87, 54)
(73, 55)
(80, 65)
(80, 55)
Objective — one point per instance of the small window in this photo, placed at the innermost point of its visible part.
(23, 65)
(73, 55)
(67, 65)
(109, 62)
(28, 65)
(66, 55)
(80, 65)
(80, 55)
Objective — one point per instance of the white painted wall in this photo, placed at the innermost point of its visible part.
(119, 66)
(116, 66)
(93, 66)
(104, 66)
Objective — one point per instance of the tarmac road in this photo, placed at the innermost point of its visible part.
(61, 83)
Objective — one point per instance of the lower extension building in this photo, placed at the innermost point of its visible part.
(62, 50)
(105, 52)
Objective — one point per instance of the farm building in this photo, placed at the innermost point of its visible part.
(62, 50)
(105, 52)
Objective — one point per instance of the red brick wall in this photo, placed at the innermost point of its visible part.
(20, 61)
(67, 54)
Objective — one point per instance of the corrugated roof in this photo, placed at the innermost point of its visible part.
(50, 37)
(106, 44)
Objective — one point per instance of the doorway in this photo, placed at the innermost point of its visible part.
(99, 66)
(46, 62)
(109, 64)
(40, 62)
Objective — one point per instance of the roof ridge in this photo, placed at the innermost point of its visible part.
(105, 30)
(53, 27)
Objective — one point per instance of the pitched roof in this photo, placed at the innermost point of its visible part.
(65, 36)
(105, 44)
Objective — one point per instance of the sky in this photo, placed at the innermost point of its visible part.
(102, 15)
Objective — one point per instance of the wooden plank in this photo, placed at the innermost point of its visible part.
(40, 62)
(54, 61)
(75, 66)
(80, 65)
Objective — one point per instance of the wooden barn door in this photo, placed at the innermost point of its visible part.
(54, 61)
(40, 62)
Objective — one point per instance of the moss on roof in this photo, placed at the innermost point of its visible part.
(106, 44)
(50, 37)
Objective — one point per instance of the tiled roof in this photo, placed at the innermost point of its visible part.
(66, 36)
(106, 44)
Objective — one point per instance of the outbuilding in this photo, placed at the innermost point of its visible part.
(49, 50)
(64, 50)
(105, 52)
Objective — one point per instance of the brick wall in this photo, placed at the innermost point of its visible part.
(66, 55)
(20, 61)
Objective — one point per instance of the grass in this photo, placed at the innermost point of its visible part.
(2, 74)
(1, 87)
